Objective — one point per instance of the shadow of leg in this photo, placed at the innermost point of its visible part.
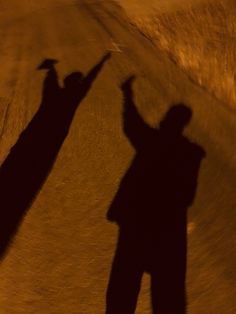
(168, 275)
(125, 278)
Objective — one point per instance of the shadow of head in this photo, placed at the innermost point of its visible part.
(176, 119)
(73, 80)
(47, 64)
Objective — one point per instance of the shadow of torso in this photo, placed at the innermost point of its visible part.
(156, 191)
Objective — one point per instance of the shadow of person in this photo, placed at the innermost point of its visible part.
(31, 159)
(150, 208)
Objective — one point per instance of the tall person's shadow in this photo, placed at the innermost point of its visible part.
(31, 159)
(150, 208)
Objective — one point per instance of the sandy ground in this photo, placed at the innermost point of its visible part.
(60, 259)
(198, 35)
(139, 8)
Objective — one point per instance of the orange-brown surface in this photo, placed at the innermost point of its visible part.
(60, 258)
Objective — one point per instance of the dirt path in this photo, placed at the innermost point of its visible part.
(60, 259)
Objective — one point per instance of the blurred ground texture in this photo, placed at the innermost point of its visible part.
(200, 36)
(60, 260)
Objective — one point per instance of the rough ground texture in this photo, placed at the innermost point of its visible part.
(60, 258)
(199, 36)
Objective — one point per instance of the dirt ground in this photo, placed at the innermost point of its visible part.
(60, 257)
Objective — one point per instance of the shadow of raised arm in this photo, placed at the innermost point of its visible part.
(91, 76)
(135, 128)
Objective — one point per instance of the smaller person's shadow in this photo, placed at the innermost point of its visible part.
(31, 159)
(150, 208)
